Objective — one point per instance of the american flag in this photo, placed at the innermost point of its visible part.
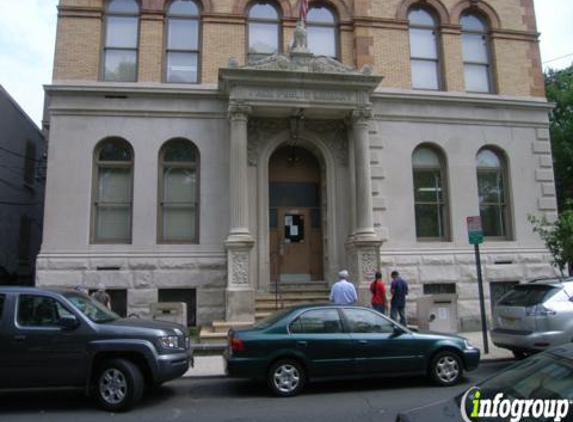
(303, 9)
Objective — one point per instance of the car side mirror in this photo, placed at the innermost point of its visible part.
(69, 322)
(398, 330)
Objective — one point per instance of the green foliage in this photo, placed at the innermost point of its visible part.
(559, 87)
(557, 235)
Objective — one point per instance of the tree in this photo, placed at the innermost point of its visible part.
(558, 237)
(559, 88)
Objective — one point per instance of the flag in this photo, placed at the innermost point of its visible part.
(303, 9)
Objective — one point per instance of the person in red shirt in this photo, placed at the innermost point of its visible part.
(378, 291)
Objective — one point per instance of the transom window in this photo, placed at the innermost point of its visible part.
(121, 40)
(264, 30)
(322, 31)
(424, 51)
(178, 192)
(113, 202)
(183, 42)
(430, 196)
(492, 194)
(475, 43)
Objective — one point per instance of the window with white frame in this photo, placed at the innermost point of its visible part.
(475, 43)
(121, 41)
(491, 176)
(112, 196)
(430, 194)
(178, 192)
(263, 30)
(183, 52)
(322, 33)
(424, 49)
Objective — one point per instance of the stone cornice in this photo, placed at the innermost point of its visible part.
(79, 12)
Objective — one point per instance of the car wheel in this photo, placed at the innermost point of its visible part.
(286, 378)
(446, 368)
(119, 385)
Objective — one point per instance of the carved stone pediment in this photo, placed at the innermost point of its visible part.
(302, 62)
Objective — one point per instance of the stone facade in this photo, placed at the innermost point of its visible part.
(362, 126)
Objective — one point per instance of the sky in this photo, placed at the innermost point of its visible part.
(28, 32)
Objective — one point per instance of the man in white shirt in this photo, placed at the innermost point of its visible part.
(343, 292)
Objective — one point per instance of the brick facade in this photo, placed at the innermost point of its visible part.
(370, 33)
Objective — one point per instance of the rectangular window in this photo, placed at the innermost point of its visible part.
(30, 164)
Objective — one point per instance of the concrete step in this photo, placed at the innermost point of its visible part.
(208, 336)
(294, 297)
(312, 286)
(270, 306)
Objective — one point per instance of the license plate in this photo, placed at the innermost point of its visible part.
(509, 322)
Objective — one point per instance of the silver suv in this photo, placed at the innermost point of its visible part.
(534, 316)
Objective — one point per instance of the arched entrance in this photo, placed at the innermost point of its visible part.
(295, 216)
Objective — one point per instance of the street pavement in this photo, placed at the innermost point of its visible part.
(214, 365)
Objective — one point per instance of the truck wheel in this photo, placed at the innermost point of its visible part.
(446, 368)
(119, 385)
(286, 378)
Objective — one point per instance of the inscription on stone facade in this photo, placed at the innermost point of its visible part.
(300, 95)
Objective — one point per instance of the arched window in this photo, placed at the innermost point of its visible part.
(178, 192)
(183, 42)
(424, 50)
(475, 42)
(112, 196)
(121, 40)
(491, 171)
(321, 31)
(264, 30)
(430, 194)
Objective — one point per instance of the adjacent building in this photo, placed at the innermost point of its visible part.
(208, 151)
(22, 178)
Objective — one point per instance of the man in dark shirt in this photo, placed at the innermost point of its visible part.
(399, 289)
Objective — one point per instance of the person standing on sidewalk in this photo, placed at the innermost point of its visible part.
(343, 292)
(399, 289)
(378, 291)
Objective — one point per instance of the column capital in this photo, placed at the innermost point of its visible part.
(361, 115)
(238, 110)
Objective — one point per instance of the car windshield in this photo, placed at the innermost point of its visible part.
(271, 319)
(528, 295)
(544, 376)
(91, 308)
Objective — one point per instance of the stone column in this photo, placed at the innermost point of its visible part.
(363, 248)
(240, 299)
(364, 219)
(238, 189)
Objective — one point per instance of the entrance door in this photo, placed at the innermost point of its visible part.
(295, 216)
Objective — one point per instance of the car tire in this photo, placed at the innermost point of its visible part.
(446, 368)
(286, 377)
(118, 385)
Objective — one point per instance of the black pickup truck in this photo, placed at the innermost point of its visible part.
(59, 338)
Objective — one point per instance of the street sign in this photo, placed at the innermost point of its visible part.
(475, 233)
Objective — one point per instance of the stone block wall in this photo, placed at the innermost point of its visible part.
(142, 277)
(460, 269)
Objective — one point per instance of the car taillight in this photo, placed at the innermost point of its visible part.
(538, 310)
(236, 345)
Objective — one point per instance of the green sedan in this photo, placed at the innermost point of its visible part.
(311, 342)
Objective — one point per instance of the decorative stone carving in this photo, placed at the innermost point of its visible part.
(300, 39)
(238, 110)
(361, 116)
(239, 267)
(369, 263)
(332, 132)
(305, 62)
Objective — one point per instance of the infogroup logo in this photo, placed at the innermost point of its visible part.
(511, 409)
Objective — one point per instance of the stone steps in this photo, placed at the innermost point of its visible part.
(290, 294)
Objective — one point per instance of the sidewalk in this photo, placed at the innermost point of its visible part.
(214, 366)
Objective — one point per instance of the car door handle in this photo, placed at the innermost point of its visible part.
(302, 343)
(362, 341)
(19, 337)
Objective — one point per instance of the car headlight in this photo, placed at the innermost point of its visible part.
(169, 342)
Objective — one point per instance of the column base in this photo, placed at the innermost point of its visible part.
(240, 295)
(364, 260)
